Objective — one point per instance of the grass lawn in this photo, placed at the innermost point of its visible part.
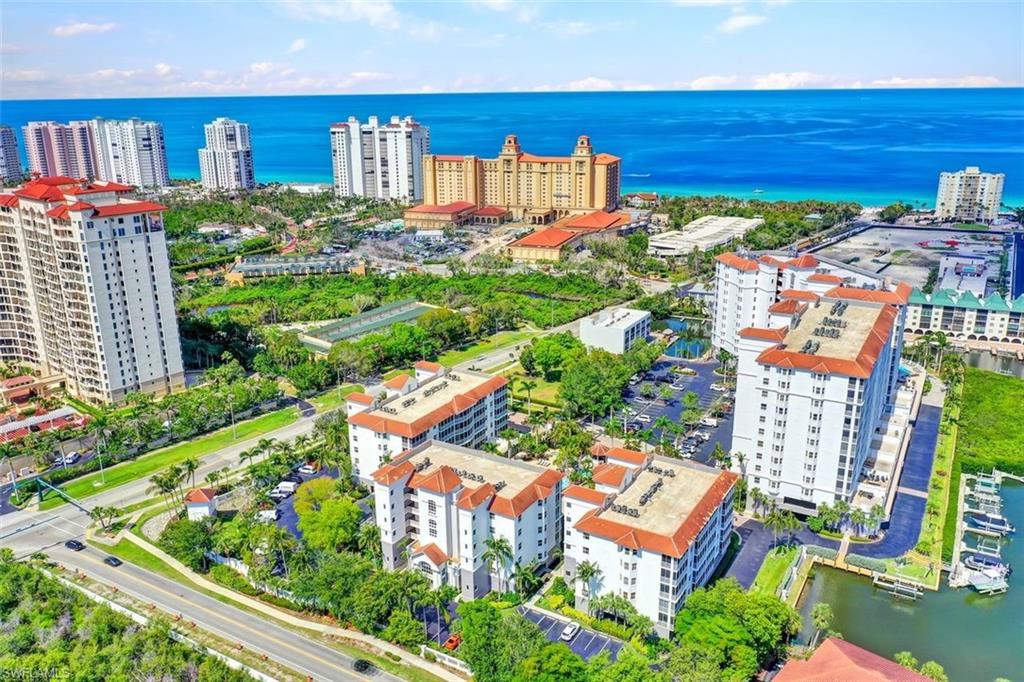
(398, 372)
(991, 430)
(334, 398)
(152, 462)
(499, 340)
(545, 392)
(970, 226)
(773, 571)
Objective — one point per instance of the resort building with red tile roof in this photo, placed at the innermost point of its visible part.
(535, 189)
(455, 406)
(444, 502)
(655, 527)
(836, 659)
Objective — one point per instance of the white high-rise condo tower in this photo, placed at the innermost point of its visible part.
(10, 164)
(226, 160)
(379, 161)
(131, 152)
(969, 195)
(60, 149)
(87, 284)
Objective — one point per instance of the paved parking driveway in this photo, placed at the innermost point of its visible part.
(586, 643)
(289, 519)
(917, 464)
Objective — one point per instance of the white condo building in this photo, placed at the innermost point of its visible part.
(459, 407)
(746, 286)
(60, 149)
(10, 164)
(131, 152)
(616, 331)
(442, 503)
(655, 529)
(86, 282)
(815, 388)
(969, 195)
(379, 161)
(226, 160)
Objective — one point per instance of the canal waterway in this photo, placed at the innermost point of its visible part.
(975, 638)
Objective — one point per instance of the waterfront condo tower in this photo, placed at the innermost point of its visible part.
(379, 161)
(10, 164)
(226, 160)
(87, 284)
(969, 195)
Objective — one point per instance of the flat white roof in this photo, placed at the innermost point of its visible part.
(476, 467)
(620, 318)
(430, 395)
(706, 232)
(669, 491)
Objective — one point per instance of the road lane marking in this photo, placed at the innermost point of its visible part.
(273, 638)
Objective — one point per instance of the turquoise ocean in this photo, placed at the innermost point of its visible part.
(871, 146)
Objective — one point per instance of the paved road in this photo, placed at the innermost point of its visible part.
(255, 633)
(758, 541)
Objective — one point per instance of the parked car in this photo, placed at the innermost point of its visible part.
(277, 495)
(292, 477)
(268, 515)
(645, 418)
(307, 469)
(569, 631)
(112, 561)
(721, 388)
(709, 421)
(288, 486)
(704, 436)
(71, 457)
(74, 545)
(453, 642)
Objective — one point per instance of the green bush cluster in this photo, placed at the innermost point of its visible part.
(869, 563)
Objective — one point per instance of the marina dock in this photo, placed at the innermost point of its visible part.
(979, 494)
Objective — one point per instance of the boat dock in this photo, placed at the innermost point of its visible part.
(979, 494)
(898, 587)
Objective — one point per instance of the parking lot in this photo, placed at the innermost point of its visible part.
(586, 643)
(648, 411)
(288, 519)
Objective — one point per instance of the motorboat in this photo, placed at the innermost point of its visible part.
(992, 522)
(980, 562)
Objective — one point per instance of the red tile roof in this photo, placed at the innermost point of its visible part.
(471, 498)
(624, 455)
(447, 209)
(549, 238)
(128, 208)
(799, 295)
(8, 200)
(398, 382)
(201, 495)
(825, 278)
(598, 220)
(788, 306)
(491, 211)
(859, 367)
(737, 262)
(803, 262)
(540, 489)
(836, 660)
(578, 492)
(459, 403)
(393, 472)
(899, 296)
(776, 335)
(40, 192)
(646, 196)
(602, 159)
(674, 545)
(441, 480)
(434, 553)
(609, 474)
(53, 181)
(361, 398)
(526, 157)
(98, 187)
(428, 366)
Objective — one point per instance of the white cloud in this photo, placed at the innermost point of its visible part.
(793, 80)
(738, 22)
(524, 12)
(78, 28)
(431, 31)
(261, 68)
(377, 13)
(590, 83)
(112, 74)
(163, 70)
(357, 78)
(24, 75)
(573, 28)
(712, 82)
(939, 82)
(298, 45)
(706, 3)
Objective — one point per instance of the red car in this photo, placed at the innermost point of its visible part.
(453, 642)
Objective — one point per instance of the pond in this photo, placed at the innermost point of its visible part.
(975, 638)
(1001, 362)
(693, 338)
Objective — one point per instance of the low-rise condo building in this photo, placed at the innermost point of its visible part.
(651, 531)
(454, 406)
(815, 387)
(969, 195)
(536, 189)
(702, 234)
(615, 330)
(440, 504)
(966, 316)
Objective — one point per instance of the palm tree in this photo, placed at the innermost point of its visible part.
(875, 517)
(189, 467)
(508, 435)
(526, 579)
(725, 358)
(368, 541)
(741, 459)
(858, 519)
(528, 386)
(440, 599)
(821, 616)
(586, 573)
(663, 424)
(775, 522)
(497, 555)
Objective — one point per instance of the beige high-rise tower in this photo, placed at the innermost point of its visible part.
(537, 189)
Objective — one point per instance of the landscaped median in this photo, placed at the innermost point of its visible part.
(493, 343)
(773, 570)
(151, 462)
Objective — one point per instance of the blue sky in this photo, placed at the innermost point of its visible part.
(154, 49)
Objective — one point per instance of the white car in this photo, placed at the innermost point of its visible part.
(287, 487)
(721, 388)
(71, 457)
(569, 631)
(709, 421)
(307, 469)
(646, 419)
(267, 515)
